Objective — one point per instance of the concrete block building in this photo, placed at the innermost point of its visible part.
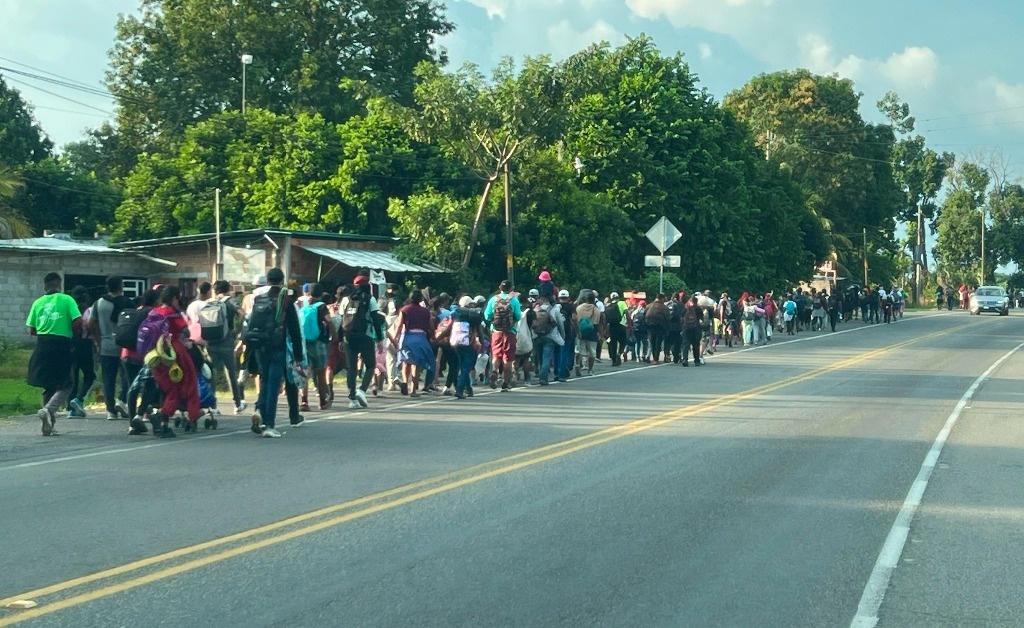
(24, 263)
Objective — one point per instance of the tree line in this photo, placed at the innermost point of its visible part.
(354, 123)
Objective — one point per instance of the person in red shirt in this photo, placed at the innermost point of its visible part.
(176, 378)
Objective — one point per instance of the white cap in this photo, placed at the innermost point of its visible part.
(259, 280)
(614, 295)
(465, 301)
(480, 299)
(534, 292)
(563, 294)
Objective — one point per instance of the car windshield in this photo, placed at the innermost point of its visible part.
(989, 292)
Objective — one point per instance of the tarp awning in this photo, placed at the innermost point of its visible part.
(374, 260)
(57, 246)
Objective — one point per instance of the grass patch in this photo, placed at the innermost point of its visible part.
(17, 397)
(14, 363)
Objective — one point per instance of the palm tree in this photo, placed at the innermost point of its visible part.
(12, 223)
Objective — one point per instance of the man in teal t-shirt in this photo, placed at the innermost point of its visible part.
(53, 320)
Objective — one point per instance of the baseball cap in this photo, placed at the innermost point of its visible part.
(480, 299)
(614, 295)
(259, 280)
(534, 292)
(306, 287)
(465, 301)
(563, 294)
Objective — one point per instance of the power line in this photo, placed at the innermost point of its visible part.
(94, 91)
(25, 65)
(46, 91)
(81, 113)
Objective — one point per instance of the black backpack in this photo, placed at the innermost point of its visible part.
(691, 319)
(266, 322)
(354, 319)
(126, 332)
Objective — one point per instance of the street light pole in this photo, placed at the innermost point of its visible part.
(982, 282)
(246, 60)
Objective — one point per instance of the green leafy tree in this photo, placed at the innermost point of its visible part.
(810, 125)
(657, 145)
(56, 197)
(574, 233)
(1006, 236)
(958, 249)
(21, 139)
(483, 123)
(12, 222)
(436, 225)
(178, 61)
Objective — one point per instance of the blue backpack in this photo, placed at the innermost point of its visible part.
(311, 321)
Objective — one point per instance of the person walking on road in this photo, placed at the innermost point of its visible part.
(53, 319)
(103, 324)
(503, 313)
(693, 316)
(273, 319)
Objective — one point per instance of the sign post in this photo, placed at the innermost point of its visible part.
(663, 235)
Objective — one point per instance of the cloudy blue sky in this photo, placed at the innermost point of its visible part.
(956, 62)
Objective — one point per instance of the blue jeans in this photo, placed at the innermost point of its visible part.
(467, 361)
(272, 365)
(544, 348)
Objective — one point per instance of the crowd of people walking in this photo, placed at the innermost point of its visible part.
(169, 355)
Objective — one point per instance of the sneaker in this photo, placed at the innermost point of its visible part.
(271, 433)
(469, 391)
(404, 387)
(448, 391)
(112, 416)
(561, 380)
(686, 364)
(77, 411)
(543, 382)
(240, 407)
(579, 371)
(257, 422)
(590, 373)
(493, 380)
(122, 408)
(243, 375)
(44, 416)
(137, 427)
(304, 407)
(361, 397)
(354, 405)
(167, 432)
(506, 389)
(298, 421)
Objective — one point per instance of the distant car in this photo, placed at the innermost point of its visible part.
(990, 299)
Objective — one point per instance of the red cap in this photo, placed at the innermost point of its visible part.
(360, 280)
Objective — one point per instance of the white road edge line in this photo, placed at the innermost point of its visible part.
(892, 549)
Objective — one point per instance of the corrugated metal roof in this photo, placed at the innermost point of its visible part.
(57, 245)
(374, 260)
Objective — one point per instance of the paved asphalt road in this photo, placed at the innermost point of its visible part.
(759, 490)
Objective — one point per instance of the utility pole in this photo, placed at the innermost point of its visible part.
(918, 256)
(218, 269)
(982, 283)
(246, 60)
(508, 227)
(865, 234)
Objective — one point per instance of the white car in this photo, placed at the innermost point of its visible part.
(990, 299)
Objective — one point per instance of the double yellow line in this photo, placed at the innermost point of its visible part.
(303, 525)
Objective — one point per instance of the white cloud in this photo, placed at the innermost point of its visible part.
(565, 39)
(704, 49)
(914, 68)
(721, 16)
(494, 8)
